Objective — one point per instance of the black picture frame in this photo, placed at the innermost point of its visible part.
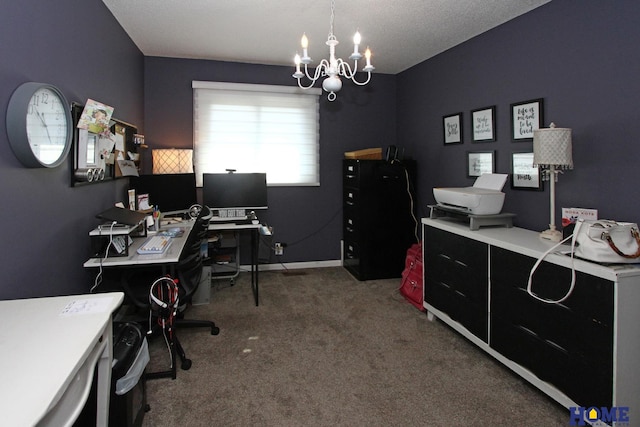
(524, 176)
(479, 162)
(452, 129)
(483, 124)
(526, 116)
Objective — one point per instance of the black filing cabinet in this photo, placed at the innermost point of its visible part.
(378, 225)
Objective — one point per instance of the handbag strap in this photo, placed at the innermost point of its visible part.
(573, 269)
(636, 236)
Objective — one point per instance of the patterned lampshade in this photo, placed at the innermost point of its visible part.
(552, 147)
(172, 160)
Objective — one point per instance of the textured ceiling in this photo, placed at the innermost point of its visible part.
(401, 33)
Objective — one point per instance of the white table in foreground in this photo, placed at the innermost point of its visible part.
(48, 350)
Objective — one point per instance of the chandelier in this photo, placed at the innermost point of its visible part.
(333, 68)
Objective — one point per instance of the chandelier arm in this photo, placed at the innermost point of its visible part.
(353, 79)
(346, 69)
(305, 87)
(317, 73)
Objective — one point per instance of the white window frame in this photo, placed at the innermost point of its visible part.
(296, 149)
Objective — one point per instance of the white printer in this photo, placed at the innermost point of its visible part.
(484, 198)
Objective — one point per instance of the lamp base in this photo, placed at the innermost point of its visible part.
(551, 234)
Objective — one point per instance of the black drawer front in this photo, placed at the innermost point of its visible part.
(570, 372)
(472, 315)
(456, 272)
(586, 316)
(458, 263)
(570, 344)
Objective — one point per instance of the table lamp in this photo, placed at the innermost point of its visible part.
(552, 155)
(172, 160)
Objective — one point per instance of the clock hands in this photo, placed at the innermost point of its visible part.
(41, 117)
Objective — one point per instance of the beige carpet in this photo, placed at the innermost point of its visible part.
(324, 349)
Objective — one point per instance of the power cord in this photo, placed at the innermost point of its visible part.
(98, 280)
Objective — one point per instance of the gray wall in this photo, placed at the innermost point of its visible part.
(582, 58)
(79, 47)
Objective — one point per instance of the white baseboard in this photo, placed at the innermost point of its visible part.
(295, 265)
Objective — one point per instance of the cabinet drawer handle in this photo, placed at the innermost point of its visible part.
(557, 346)
(444, 256)
(527, 330)
(444, 285)
(349, 229)
(460, 263)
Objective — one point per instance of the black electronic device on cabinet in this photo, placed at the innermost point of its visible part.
(378, 224)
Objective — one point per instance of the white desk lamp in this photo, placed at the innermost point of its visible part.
(552, 154)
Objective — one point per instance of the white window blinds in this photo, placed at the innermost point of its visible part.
(257, 128)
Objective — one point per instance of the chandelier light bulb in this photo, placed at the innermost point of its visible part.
(357, 38)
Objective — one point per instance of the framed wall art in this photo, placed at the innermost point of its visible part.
(526, 117)
(524, 176)
(452, 129)
(483, 124)
(479, 162)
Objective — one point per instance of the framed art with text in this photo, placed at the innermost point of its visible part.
(452, 128)
(483, 124)
(526, 117)
(479, 162)
(524, 176)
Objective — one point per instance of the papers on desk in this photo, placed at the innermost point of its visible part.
(87, 306)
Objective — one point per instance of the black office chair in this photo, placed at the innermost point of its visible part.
(168, 318)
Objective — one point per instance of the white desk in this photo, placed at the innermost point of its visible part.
(170, 256)
(48, 358)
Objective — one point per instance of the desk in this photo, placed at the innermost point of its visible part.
(166, 261)
(170, 256)
(48, 356)
(255, 245)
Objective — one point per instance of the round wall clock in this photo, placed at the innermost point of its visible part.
(39, 125)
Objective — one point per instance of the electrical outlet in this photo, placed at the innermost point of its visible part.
(278, 248)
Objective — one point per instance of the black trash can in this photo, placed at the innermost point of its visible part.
(128, 399)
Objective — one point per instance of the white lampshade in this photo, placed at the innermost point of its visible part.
(172, 160)
(552, 146)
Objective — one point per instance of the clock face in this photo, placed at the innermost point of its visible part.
(47, 126)
(39, 125)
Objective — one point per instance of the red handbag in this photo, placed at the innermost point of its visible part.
(411, 284)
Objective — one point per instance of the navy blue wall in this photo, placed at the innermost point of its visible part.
(79, 47)
(582, 58)
(308, 219)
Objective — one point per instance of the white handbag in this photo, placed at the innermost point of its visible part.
(607, 241)
(602, 241)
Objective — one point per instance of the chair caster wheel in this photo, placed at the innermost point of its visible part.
(186, 364)
(215, 330)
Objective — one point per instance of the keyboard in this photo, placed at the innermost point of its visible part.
(155, 245)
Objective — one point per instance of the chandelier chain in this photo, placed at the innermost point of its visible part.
(333, 15)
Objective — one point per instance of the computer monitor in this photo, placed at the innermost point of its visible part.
(171, 193)
(232, 193)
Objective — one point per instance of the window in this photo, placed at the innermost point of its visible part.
(257, 128)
